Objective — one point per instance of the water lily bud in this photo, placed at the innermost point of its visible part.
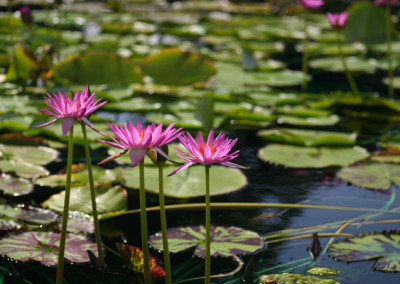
(26, 15)
(156, 157)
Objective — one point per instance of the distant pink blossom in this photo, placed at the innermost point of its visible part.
(311, 4)
(384, 2)
(139, 139)
(338, 21)
(26, 15)
(79, 107)
(212, 151)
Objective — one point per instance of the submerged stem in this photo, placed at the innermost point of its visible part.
(93, 198)
(350, 79)
(163, 219)
(60, 265)
(143, 225)
(208, 228)
(389, 48)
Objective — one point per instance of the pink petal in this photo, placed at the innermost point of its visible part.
(47, 123)
(67, 124)
(112, 157)
(137, 155)
(181, 168)
(233, 165)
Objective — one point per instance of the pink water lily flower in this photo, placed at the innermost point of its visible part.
(311, 4)
(26, 15)
(79, 107)
(213, 151)
(338, 21)
(139, 139)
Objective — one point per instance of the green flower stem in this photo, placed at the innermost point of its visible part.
(93, 198)
(143, 225)
(304, 63)
(389, 49)
(163, 219)
(350, 79)
(208, 228)
(60, 265)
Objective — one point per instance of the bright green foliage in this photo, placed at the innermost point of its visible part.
(22, 65)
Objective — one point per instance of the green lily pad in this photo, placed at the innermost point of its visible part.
(108, 199)
(189, 183)
(132, 257)
(307, 137)
(23, 65)
(225, 241)
(36, 155)
(15, 186)
(80, 176)
(280, 78)
(133, 105)
(354, 64)
(44, 247)
(188, 67)
(97, 67)
(286, 278)
(310, 157)
(383, 247)
(377, 176)
(309, 121)
(23, 169)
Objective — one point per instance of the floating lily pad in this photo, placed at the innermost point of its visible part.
(383, 247)
(295, 278)
(23, 169)
(188, 67)
(15, 186)
(79, 222)
(16, 216)
(310, 157)
(281, 78)
(190, 183)
(132, 257)
(44, 247)
(225, 241)
(309, 121)
(307, 137)
(354, 64)
(97, 67)
(80, 176)
(108, 199)
(378, 176)
(23, 65)
(36, 155)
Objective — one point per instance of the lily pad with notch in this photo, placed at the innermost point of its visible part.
(23, 169)
(225, 241)
(38, 155)
(15, 186)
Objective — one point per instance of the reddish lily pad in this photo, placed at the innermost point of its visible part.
(378, 176)
(15, 186)
(383, 247)
(132, 257)
(225, 241)
(79, 223)
(44, 247)
(295, 278)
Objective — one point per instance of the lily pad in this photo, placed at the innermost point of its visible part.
(307, 137)
(190, 183)
(23, 169)
(378, 176)
(309, 121)
(285, 278)
(188, 67)
(36, 155)
(311, 157)
(281, 78)
(80, 176)
(44, 247)
(132, 257)
(97, 67)
(15, 186)
(108, 199)
(383, 247)
(225, 241)
(354, 64)
(23, 65)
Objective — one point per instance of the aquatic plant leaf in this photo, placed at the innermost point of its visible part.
(366, 23)
(311, 157)
(132, 257)
(377, 176)
(38, 155)
(225, 241)
(15, 186)
(309, 121)
(354, 63)
(108, 199)
(44, 247)
(80, 177)
(189, 184)
(97, 67)
(383, 247)
(188, 67)
(295, 278)
(22, 66)
(280, 78)
(307, 137)
(23, 169)
(79, 222)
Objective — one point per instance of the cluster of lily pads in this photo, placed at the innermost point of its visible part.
(214, 66)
